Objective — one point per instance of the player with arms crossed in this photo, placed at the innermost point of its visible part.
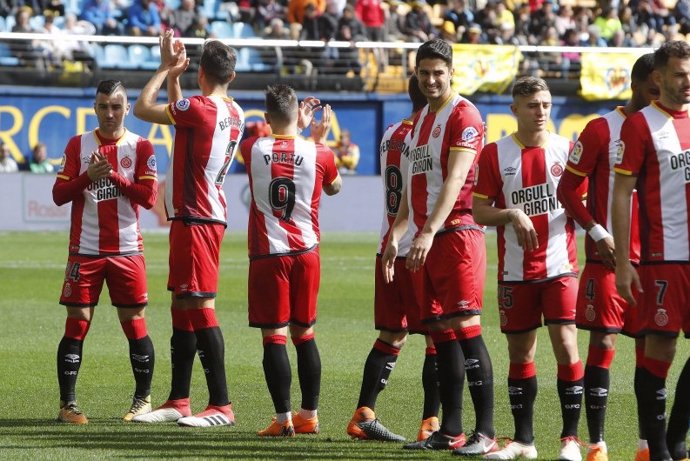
(397, 305)
(286, 177)
(537, 262)
(448, 247)
(599, 307)
(654, 157)
(207, 130)
(107, 174)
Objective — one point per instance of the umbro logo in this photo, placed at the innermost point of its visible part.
(598, 392)
(573, 390)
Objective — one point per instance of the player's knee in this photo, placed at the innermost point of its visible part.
(396, 339)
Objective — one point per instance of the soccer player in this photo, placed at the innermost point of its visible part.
(396, 304)
(448, 247)
(207, 130)
(654, 157)
(537, 262)
(286, 177)
(107, 174)
(600, 309)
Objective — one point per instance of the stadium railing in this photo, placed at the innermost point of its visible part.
(32, 59)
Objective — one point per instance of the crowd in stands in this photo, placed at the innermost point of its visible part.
(588, 23)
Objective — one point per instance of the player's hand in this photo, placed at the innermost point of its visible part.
(319, 129)
(627, 279)
(388, 261)
(524, 230)
(169, 55)
(99, 167)
(607, 252)
(418, 251)
(307, 108)
(182, 60)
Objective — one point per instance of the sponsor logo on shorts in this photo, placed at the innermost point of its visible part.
(463, 304)
(590, 313)
(67, 290)
(661, 317)
(126, 162)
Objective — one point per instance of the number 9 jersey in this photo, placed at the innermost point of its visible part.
(286, 177)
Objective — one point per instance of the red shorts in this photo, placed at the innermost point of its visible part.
(454, 274)
(284, 290)
(397, 304)
(194, 258)
(600, 307)
(522, 305)
(665, 302)
(125, 276)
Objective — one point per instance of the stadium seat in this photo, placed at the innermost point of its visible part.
(222, 29)
(3, 26)
(10, 21)
(172, 4)
(59, 22)
(73, 6)
(210, 9)
(140, 57)
(249, 60)
(242, 30)
(116, 56)
(6, 58)
(37, 22)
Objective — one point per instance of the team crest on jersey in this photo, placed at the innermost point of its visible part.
(576, 153)
(661, 317)
(590, 314)
(619, 151)
(557, 169)
(437, 131)
(67, 290)
(126, 162)
(151, 163)
(182, 104)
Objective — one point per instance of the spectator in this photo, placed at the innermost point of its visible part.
(349, 30)
(394, 22)
(296, 9)
(417, 25)
(144, 19)
(101, 14)
(182, 18)
(608, 24)
(473, 35)
(542, 18)
(564, 20)
(346, 153)
(7, 163)
(682, 15)
(56, 7)
(459, 15)
(372, 15)
(277, 30)
(266, 12)
(199, 28)
(593, 38)
(28, 52)
(56, 49)
(39, 159)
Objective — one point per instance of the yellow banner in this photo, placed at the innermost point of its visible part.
(484, 68)
(606, 75)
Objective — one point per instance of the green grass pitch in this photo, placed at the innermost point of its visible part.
(31, 271)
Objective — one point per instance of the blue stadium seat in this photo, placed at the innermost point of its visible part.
(173, 4)
(6, 58)
(222, 29)
(116, 56)
(3, 26)
(140, 57)
(249, 60)
(210, 9)
(59, 22)
(37, 22)
(242, 30)
(9, 23)
(73, 6)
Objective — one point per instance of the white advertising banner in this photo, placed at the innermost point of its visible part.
(27, 205)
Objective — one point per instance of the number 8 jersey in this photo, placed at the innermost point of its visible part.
(286, 177)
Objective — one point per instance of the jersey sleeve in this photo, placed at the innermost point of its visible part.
(488, 184)
(327, 159)
(146, 161)
(246, 151)
(69, 169)
(468, 129)
(634, 137)
(187, 112)
(69, 184)
(593, 141)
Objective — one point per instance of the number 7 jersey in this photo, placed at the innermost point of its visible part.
(286, 177)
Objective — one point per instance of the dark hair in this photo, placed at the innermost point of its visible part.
(527, 86)
(435, 49)
(109, 87)
(218, 61)
(281, 102)
(642, 68)
(416, 96)
(672, 49)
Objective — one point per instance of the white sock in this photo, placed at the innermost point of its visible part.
(282, 417)
(642, 444)
(307, 414)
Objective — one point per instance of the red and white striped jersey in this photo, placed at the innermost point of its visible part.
(594, 156)
(393, 152)
(286, 176)
(455, 127)
(525, 177)
(208, 129)
(104, 222)
(655, 147)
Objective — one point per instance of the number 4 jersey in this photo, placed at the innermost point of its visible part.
(286, 177)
